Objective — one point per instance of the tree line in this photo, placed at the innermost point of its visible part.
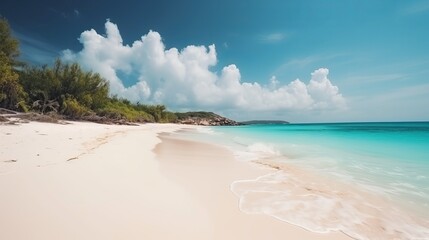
(64, 89)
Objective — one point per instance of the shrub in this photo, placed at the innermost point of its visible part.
(119, 110)
(73, 109)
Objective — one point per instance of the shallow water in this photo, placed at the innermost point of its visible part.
(368, 180)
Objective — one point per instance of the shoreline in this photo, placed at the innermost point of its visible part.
(318, 201)
(208, 174)
(94, 181)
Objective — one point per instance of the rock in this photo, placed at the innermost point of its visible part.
(204, 119)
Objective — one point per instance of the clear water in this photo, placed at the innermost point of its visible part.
(368, 180)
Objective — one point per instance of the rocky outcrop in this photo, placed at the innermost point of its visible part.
(204, 119)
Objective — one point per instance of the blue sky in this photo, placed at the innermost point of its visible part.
(377, 53)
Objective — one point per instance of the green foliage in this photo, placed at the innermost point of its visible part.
(73, 109)
(9, 46)
(154, 110)
(40, 83)
(158, 112)
(79, 93)
(11, 92)
(169, 117)
(88, 88)
(65, 84)
(123, 110)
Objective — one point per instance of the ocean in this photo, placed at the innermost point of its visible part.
(367, 180)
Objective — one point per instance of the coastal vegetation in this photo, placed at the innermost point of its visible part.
(65, 90)
(12, 94)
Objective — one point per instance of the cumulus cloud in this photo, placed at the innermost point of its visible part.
(184, 79)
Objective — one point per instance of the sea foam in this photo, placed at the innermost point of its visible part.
(255, 151)
(319, 204)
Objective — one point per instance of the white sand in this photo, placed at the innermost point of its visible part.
(92, 181)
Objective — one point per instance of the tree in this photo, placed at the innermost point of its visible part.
(63, 87)
(88, 88)
(12, 95)
(9, 46)
(157, 111)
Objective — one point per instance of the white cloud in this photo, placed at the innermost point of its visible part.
(323, 92)
(183, 79)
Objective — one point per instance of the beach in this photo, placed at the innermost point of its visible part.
(93, 181)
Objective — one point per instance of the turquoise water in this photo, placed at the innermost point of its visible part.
(387, 155)
(364, 174)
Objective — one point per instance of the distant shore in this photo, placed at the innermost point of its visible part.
(93, 181)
